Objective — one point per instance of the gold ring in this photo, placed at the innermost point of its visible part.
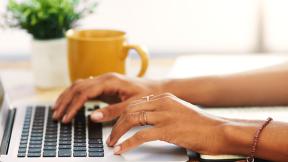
(143, 118)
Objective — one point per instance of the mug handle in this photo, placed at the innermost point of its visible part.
(143, 56)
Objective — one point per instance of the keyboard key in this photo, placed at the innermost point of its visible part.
(79, 140)
(22, 145)
(64, 153)
(51, 140)
(64, 142)
(35, 150)
(64, 146)
(51, 136)
(37, 135)
(65, 138)
(37, 131)
(49, 153)
(79, 148)
(96, 107)
(95, 145)
(96, 154)
(95, 141)
(34, 154)
(35, 146)
(36, 139)
(65, 135)
(24, 134)
(80, 144)
(21, 150)
(23, 142)
(79, 154)
(35, 142)
(95, 149)
(21, 155)
(49, 147)
(50, 143)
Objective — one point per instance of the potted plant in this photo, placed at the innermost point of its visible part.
(47, 21)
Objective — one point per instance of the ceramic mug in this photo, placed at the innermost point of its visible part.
(95, 52)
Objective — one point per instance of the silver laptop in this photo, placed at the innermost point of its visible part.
(28, 133)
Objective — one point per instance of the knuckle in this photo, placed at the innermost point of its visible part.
(76, 83)
(75, 88)
(125, 112)
(82, 94)
(128, 110)
(107, 110)
(166, 99)
(129, 118)
(170, 98)
(111, 75)
(167, 94)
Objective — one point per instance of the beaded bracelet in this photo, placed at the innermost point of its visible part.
(256, 139)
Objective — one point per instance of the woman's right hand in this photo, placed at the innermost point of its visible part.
(118, 90)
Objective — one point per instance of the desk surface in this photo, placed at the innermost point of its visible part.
(18, 79)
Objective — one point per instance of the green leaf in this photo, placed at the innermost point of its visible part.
(47, 19)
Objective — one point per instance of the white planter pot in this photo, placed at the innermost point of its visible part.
(49, 63)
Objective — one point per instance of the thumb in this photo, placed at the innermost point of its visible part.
(109, 113)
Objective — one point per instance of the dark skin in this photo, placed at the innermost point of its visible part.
(265, 87)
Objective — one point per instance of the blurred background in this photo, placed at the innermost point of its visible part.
(170, 28)
(185, 38)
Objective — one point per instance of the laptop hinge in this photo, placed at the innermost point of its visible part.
(7, 132)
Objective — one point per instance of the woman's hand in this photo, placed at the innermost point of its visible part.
(113, 88)
(173, 120)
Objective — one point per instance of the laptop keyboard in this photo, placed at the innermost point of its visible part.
(43, 137)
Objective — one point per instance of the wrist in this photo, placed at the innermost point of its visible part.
(201, 90)
(168, 86)
(238, 137)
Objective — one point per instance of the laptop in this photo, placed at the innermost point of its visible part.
(28, 133)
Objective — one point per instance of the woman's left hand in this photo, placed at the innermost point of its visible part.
(173, 120)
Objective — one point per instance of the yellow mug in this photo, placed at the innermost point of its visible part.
(95, 52)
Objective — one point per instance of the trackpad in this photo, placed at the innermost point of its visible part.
(154, 151)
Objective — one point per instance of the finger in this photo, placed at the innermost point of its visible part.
(58, 101)
(84, 88)
(76, 104)
(145, 135)
(128, 121)
(66, 98)
(109, 113)
(61, 96)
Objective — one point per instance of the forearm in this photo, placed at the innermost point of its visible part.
(272, 144)
(259, 87)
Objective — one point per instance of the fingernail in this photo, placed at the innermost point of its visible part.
(116, 149)
(97, 115)
(54, 115)
(64, 119)
(108, 140)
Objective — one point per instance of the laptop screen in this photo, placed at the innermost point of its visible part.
(3, 109)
